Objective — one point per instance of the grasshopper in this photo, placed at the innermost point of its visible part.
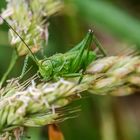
(70, 64)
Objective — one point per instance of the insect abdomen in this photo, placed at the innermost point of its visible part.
(62, 64)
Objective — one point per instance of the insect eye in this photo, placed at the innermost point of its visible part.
(41, 62)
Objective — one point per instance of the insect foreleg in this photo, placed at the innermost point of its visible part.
(62, 65)
(24, 66)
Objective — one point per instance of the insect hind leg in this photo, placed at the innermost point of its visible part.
(72, 75)
(99, 46)
(85, 44)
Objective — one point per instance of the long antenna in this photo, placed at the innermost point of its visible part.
(35, 59)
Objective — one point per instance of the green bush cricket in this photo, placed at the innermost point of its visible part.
(69, 64)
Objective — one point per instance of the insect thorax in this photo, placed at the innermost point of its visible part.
(53, 66)
(60, 64)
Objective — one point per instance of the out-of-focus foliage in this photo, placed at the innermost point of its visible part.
(109, 17)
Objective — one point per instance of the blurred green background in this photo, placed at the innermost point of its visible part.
(116, 24)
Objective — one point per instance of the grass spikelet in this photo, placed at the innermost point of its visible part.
(31, 25)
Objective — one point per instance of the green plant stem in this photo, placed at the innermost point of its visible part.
(11, 65)
(107, 119)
